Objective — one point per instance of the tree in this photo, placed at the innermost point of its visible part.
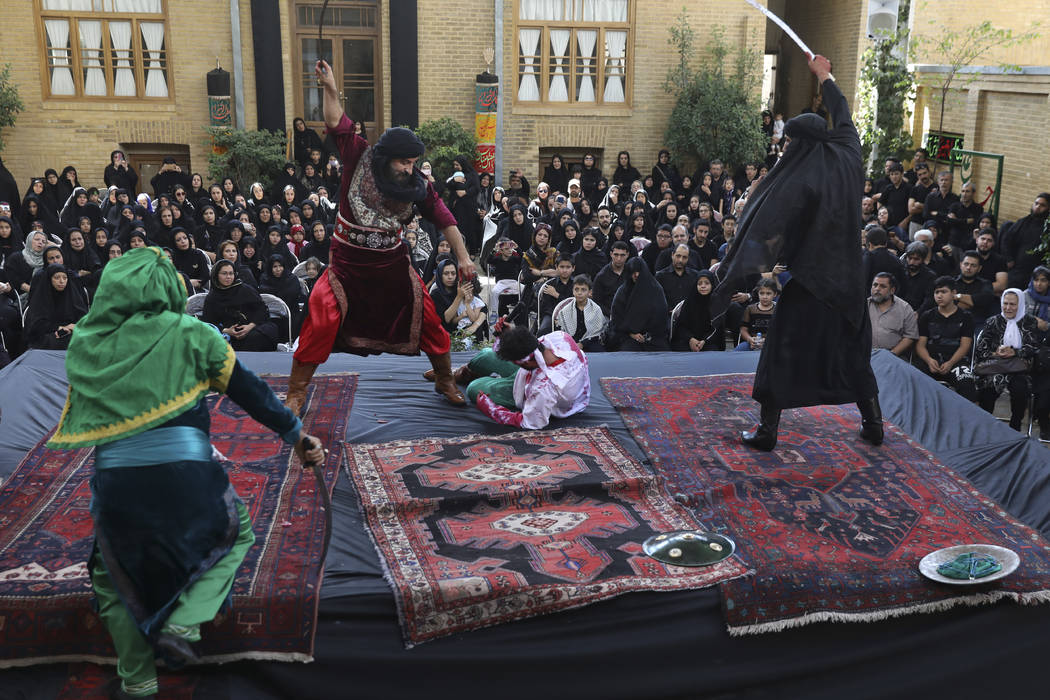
(445, 139)
(717, 107)
(10, 103)
(246, 156)
(957, 49)
(886, 89)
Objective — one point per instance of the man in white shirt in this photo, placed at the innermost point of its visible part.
(536, 378)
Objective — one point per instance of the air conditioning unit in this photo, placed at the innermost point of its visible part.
(882, 18)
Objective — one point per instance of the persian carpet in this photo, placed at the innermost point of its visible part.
(833, 527)
(46, 536)
(481, 530)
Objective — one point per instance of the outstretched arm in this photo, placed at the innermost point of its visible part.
(333, 109)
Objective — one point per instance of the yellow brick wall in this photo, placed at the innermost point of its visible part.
(834, 29)
(930, 18)
(447, 69)
(55, 133)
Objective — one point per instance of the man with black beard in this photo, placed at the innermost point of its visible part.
(973, 293)
(916, 287)
(1025, 235)
(993, 265)
(705, 250)
(894, 325)
(370, 300)
(678, 278)
(610, 277)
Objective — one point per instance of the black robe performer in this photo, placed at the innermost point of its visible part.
(804, 214)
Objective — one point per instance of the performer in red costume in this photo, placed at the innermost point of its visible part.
(370, 300)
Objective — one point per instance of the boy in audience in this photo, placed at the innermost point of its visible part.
(945, 339)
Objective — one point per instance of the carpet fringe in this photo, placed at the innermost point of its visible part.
(112, 660)
(974, 600)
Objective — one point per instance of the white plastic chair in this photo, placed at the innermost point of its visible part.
(278, 309)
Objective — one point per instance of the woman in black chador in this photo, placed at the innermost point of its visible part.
(804, 214)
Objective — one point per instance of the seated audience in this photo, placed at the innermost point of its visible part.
(582, 319)
(695, 331)
(894, 324)
(639, 317)
(945, 340)
(56, 303)
(237, 310)
(1006, 350)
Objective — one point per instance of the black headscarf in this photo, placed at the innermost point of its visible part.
(83, 259)
(589, 262)
(399, 142)
(108, 247)
(521, 233)
(13, 242)
(443, 298)
(286, 286)
(49, 308)
(318, 249)
(640, 305)
(237, 304)
(695, 319)
(804, 213)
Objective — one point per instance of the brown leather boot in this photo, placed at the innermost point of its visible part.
(462, 375)
(444, 382)
(302, 373)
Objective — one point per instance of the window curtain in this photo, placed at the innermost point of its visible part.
(153, 35)
(91, 56)
(137, 6)
(603, 11)
(61, 73)
(559, 91)
(549, 10)
(585, 41)
(529, 87)
(615, 47)
(68, 5)
(124, 77)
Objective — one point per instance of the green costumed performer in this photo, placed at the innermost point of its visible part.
(170, 532)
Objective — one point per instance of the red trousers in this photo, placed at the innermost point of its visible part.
(321, 326)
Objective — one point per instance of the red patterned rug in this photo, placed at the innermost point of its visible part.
(833, 527)
(481, 530)
(46, 536)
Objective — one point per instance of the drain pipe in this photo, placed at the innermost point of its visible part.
(238, 68)
(498, 58)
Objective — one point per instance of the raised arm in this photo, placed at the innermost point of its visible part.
(333, 109)
(834, 100)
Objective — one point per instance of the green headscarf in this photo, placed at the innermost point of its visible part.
(137, 359)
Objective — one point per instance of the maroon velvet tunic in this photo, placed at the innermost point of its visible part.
(381, 301)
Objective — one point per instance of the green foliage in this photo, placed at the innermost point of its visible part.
(717, 106)
(249, 156)
(10, 103)
(959, 48)
(886, 90)
(462, 342)
(445, 139)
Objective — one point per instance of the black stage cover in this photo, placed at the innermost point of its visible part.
(638, 646)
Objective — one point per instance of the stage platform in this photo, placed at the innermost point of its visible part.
(637, 646)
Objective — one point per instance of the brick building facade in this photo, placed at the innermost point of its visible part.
(415, 60)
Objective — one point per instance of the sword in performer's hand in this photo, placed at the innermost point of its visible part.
(311, 454)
